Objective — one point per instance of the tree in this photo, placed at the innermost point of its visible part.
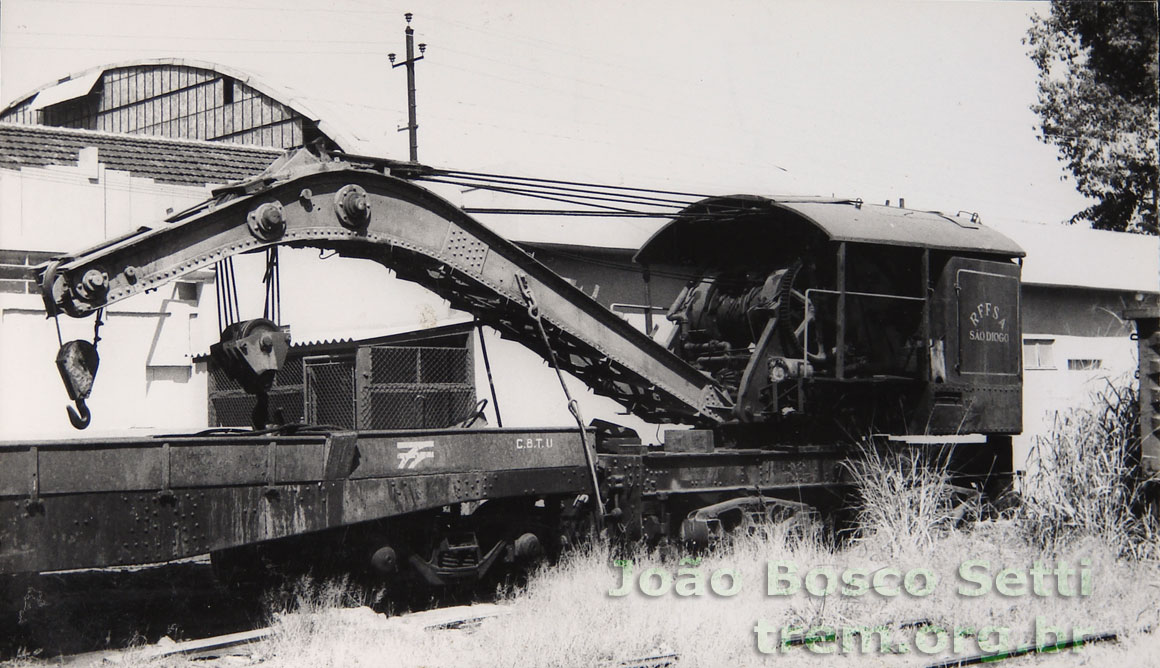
(1098, 105)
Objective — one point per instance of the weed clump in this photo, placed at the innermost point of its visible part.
(297, 609)
(905, 495)
(1086, 479)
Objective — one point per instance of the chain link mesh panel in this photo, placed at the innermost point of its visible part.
(330, 391)
(407, 387)
(231, 406)
(417, 387)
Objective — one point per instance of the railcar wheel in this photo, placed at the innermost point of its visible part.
(532, 534)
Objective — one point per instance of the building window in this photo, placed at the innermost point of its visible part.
(1083, 365)
(1038, 353)
(227, 90)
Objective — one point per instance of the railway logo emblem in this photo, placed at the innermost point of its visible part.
(411, 453)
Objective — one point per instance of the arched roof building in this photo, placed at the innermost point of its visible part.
(176, 98)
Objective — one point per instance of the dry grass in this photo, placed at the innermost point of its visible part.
(905, 495)
(566, 617)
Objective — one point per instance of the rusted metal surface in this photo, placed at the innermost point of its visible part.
(739, 470)
(1148, 337)
(68, 504)
(976, 349)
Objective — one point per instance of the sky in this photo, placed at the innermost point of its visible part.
(927, 101)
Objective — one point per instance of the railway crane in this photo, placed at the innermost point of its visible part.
(806, 323)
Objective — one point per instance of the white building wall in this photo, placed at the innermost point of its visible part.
(1054, 383)
(529, 393)
(138, 387)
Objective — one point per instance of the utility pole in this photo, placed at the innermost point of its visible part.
(412, 126)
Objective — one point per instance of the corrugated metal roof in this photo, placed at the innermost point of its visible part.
(339, 135)
(723, 221)
(174, 161)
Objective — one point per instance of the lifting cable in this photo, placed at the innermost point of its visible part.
(558, 182)
(645, 202)
(573, 405)
(226, 288)
(97, 322)
(273, 281)
(487, 366)
(503, 186)
(595, 198)
(500, 211)
(551, 196)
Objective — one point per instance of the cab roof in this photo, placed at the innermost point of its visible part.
(711, 227)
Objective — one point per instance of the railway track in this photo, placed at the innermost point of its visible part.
(95, 615)
(128, 606)
(1029, 650)
(466, 617)
(463, 617)
(74, 612)
(240, 644)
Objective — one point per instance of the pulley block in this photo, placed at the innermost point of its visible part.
(251, 352)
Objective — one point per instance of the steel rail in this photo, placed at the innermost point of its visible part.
(1025, 650)
(806, 638)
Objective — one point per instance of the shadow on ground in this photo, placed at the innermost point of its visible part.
(51, 614)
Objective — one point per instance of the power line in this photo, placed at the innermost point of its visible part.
(412, 123)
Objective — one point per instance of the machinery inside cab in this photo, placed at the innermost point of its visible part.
(839, 316)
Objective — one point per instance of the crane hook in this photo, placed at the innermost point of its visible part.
(77, 362)
(80, 417)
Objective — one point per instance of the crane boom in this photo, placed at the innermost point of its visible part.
(361, 210)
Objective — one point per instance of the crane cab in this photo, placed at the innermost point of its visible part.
(835, 315)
